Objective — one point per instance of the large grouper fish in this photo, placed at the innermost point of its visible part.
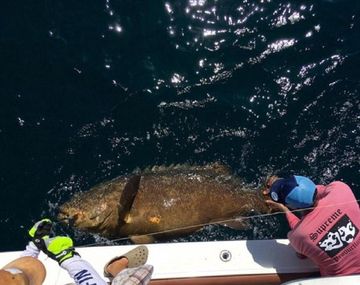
(163, 202)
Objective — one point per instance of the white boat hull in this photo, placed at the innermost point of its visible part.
(223, 262)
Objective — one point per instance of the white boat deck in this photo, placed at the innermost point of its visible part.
(182, 261)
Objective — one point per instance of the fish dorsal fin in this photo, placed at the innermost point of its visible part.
(216, 168)
(219, 168)
(128, 196)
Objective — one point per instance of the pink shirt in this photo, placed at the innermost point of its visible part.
(329, 234)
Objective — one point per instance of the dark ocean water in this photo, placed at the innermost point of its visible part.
(94, 89)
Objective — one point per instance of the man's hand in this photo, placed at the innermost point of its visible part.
(40, 230)
(59, 248)
(277, 207)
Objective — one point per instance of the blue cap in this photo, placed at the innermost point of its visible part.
(296, 192)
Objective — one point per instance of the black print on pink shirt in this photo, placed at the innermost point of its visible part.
(339, 236)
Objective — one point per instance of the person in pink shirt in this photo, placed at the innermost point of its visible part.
(328, 230)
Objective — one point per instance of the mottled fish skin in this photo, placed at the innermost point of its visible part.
(173, 201)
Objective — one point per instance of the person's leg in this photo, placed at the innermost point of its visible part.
(9, 278)
(140, 275)
(118, 265)
(23, 270)
(133, 258)
(82, 271)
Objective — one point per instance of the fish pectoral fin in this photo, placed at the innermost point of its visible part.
(142, 239)
(237, 224)
(128, 196)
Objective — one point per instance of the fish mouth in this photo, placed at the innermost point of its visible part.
(73, 220)
(66, 219)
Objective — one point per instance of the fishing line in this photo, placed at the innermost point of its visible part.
(222, 222)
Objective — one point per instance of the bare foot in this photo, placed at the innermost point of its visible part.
(115, 267)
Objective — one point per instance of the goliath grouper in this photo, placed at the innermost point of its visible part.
(163, 202)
